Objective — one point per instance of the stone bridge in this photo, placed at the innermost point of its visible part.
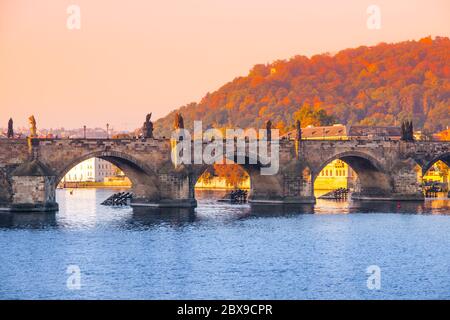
(30, 170)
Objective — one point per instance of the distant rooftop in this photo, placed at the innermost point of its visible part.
(337, 131)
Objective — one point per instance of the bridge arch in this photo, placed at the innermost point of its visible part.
(200, 170)
(372, 179)
(444, 157)
(435, 173)
(144, 180)
(262, 187)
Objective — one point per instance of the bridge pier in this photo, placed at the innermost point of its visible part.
(388, 197)
(282, 201)
(404, 185)
(176, 190)
(32, 189)
(287, 187)
(165, 203)
(406, 181)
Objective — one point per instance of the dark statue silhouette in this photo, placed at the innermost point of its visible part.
(147, 128)
(298, 130)
(269, 130)
(407, 131)
(10, 133)
(178, 122)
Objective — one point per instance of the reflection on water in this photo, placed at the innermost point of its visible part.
(429, 206)
(226, 251)
(81, 209)
(28, 220)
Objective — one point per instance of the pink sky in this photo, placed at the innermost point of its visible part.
(136, 56)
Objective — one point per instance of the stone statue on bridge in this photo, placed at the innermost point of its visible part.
(147, 128)
(269, 130)
(33, 129)
(179, 122)
(385, 171)
(298, 130)
(407, 131)
(10, 133)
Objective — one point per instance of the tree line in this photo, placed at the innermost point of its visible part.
(381, 85)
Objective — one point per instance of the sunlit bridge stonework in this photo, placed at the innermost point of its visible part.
(386, 170)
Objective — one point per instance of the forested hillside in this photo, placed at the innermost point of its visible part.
(379, 85)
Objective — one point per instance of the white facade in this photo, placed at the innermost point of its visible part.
(92, 170)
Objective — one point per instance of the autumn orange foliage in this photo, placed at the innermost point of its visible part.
(234, 174)
(379, 85)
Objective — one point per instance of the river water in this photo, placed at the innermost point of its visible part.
(224, 251)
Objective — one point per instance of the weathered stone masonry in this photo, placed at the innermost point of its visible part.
(387, 170)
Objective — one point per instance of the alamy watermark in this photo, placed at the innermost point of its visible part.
(73, 21)
(374, 277)
(74, 280)
(374, 19)
(238, 146)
